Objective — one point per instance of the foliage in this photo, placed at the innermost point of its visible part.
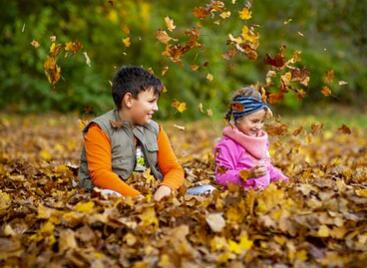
(319, 219)
(124, 32)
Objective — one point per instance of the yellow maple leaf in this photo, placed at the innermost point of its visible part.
(361, 192)
(180, 106)
(126, 41)
(323, 231)
(243, 245)
(86, 207)
(245, 13)
(148, 217)
(45, 155)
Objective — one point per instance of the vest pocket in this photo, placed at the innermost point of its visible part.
(152, 150)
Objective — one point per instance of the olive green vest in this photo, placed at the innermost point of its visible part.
(123, 147)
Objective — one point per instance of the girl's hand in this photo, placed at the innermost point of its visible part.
(162, 192)
(258, 171)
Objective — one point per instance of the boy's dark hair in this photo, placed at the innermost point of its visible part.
(133, 79)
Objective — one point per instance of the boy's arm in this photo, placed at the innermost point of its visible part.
(98, 149)
(173, 173)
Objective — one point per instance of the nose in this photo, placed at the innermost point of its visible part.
(155, 107)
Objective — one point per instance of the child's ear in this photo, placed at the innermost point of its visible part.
(127, 100)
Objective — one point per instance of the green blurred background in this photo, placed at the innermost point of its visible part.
(334, 37)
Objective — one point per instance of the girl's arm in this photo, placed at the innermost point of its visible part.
(276, 174)
(226, 171)
(98, 149)
(172, 171)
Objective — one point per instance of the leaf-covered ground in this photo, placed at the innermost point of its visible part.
(319, 219)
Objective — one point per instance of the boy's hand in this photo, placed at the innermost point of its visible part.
(258, 171)
(162, 192)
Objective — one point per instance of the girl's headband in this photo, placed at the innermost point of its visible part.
(246, 105)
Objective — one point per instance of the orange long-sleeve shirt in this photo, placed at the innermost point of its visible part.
(99, 158)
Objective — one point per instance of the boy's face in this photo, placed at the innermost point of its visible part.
(252, 124)
(143, 107)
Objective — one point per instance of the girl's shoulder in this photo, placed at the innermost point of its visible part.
(227, 143)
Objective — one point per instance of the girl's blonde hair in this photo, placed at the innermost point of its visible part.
(248, 91)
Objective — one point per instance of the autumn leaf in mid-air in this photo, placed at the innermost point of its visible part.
(329, 77)
(277, 61)
(73, 46)
(35, 43)
(238, 107)
(169, 23)
(245, 14)
(163, 36)
(179, 106)
(52, 70)
(345, 129)
(326, 91)
(126, 41)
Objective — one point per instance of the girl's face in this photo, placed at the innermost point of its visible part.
(252, 124)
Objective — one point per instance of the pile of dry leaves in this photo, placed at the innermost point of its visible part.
(319, 219)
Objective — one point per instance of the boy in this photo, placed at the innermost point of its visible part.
(125, 139)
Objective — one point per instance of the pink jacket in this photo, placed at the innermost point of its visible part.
(237, 151)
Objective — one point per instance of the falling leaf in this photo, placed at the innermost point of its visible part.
(180, 106)
(163, 37)
(164, 70)
(179, 127)
(126, 41)
(342, 83)
(326, 91)
(345, 129)
(210, 77)
(170, 24)
(245, 14)
(125, 29)
(286, 78)
(87, 59)
(287, 21)
(52, 70)
(237, 107)
(35, 43)
(200, 12)
(277, 61)
(329, 77)
(73, 47)
(225, 15)
(300, 34)
(194, 67)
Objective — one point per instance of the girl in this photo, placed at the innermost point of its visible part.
(244, 145)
